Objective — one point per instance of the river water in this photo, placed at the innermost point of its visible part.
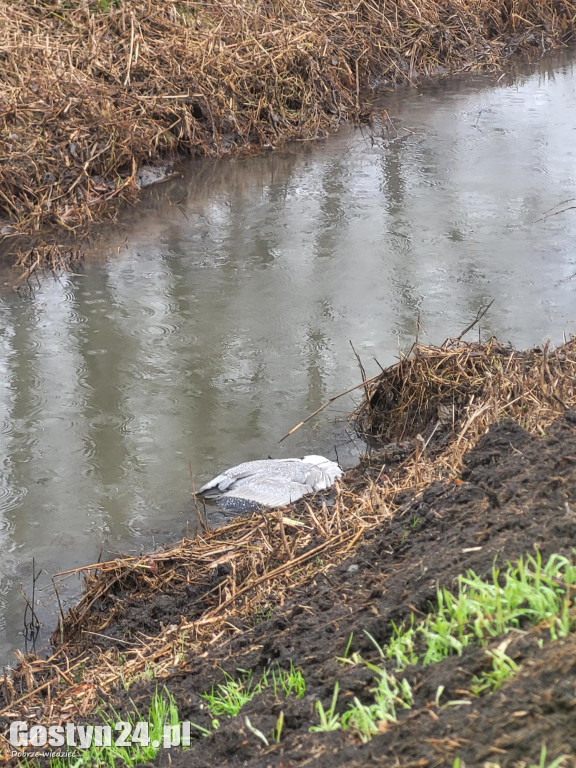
(222, 311)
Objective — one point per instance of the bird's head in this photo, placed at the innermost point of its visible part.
(329, 469)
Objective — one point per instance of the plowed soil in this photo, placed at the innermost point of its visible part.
(517, 494)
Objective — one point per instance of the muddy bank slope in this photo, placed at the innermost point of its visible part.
(517, 495)
(482, 472)
(94, 91)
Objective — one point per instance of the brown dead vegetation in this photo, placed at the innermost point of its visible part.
(92, 91)
(438, 401)
(464, 387)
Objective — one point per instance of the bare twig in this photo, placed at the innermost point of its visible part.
(327, 403)
(478, 317)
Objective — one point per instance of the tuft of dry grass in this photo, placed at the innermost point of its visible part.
(460, 388)
(93, 90)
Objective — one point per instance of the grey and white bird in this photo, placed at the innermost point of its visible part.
(270, 482)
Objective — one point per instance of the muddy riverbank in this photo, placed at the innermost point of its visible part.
(516, 496)
(96, 96)
(482, 472)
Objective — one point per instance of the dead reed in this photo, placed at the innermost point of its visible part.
(93, 90)
(460, 389)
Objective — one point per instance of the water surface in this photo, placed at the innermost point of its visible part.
(222, 311)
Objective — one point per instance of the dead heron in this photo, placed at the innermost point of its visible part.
(270, 482)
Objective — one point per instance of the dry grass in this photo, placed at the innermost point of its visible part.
(461, 388)
(468, 386)
(93, 90)
(439, 400)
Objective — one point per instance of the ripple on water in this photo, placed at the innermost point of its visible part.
(9, 497)
(89, 449)
(6, 426)
(74, 316)
(131, 425)
(118, 423)
(161, 329)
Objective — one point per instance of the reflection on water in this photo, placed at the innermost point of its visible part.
(221, 313)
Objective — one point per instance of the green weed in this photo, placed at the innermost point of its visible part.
(364, 719)
(482, 610)
(542, 762)
(503, 667)
(479, 611)
(329, 719)
(144, 737)
(228, 698)
(290, 682)
(277, 730)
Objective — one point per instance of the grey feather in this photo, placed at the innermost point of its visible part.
(270, 482)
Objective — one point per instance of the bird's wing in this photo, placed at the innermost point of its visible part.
(270, 492)
(221, 483)
(243, 473)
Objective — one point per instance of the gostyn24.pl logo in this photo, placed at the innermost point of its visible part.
(122, 734)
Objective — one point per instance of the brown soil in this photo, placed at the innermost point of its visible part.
(516, 494)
